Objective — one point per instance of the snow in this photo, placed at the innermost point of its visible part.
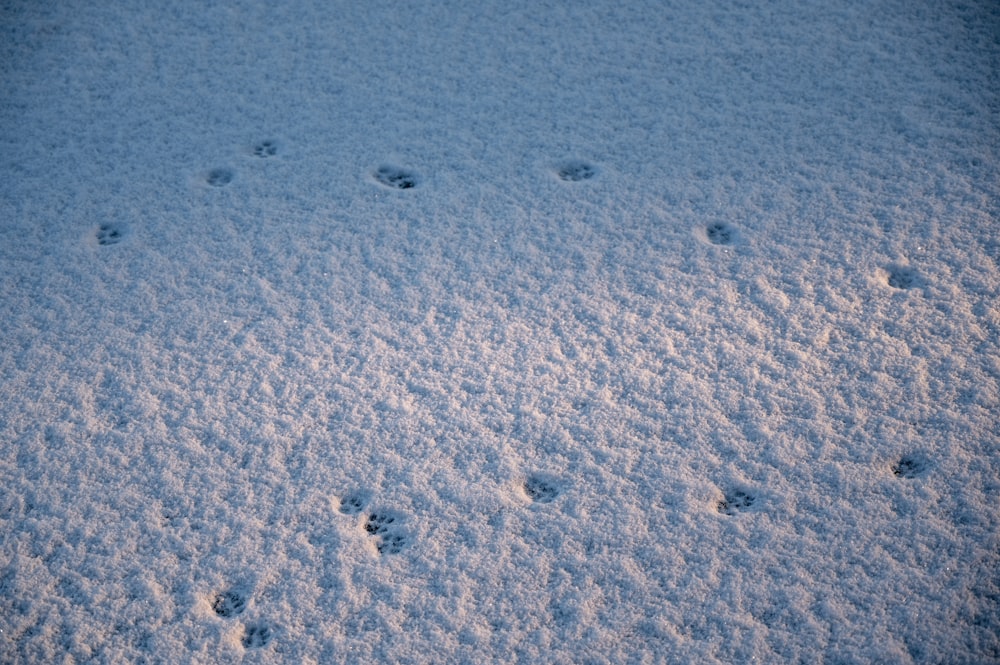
(500, 332)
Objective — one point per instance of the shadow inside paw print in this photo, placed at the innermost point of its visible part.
(229, 604)
(256, 636)
(219, 177)
(265, 149)
(353, 503)
(909, 467)
(902, 277)
(576, 171)
(110, 234)
(395, 177)
(540, 490)
(378, 523)
(720, 233)
(735, 501)
(391, 540)
(392, 543)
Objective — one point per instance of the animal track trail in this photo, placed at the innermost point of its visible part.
(735, 501)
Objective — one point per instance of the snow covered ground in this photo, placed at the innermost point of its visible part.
(521, 331)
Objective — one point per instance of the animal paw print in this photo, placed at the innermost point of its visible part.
(382, 525)
(110, 234)
(229, 604)
(540, 490)
(266, 148)
(378, 523)
(720, 233)
(256, 636)
(392, 543)
(219, 177)
(353, 503)
(391, 540)
(901, 277)
(395, 177)
(909, 467)
(576, 171)
(735, 502)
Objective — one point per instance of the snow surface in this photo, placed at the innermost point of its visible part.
(521, 331)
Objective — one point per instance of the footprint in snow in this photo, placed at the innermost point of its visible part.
(720, 233)
(909, 466)
(395, 177)
(256, 636)
(901, 277)
(219, 177)
(735, 501)
(110, 233)
(229, 604)
(386, 528)
(266, 148)
(576, 170)
(353, 502)
(541, 489)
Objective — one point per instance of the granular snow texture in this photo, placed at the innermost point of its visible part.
(474, 332)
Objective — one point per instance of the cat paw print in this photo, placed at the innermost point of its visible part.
(541, 489)
(266, 148)
(256, 636)
(720, 233)
(219, 177)
(901, 277)
(576, 170)
(395, 177)
(386, 528)
(392, 543)
(379, 523)
(909, 466)
(736, 501)
(110, 234)
(229, 604)
(353, 502)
